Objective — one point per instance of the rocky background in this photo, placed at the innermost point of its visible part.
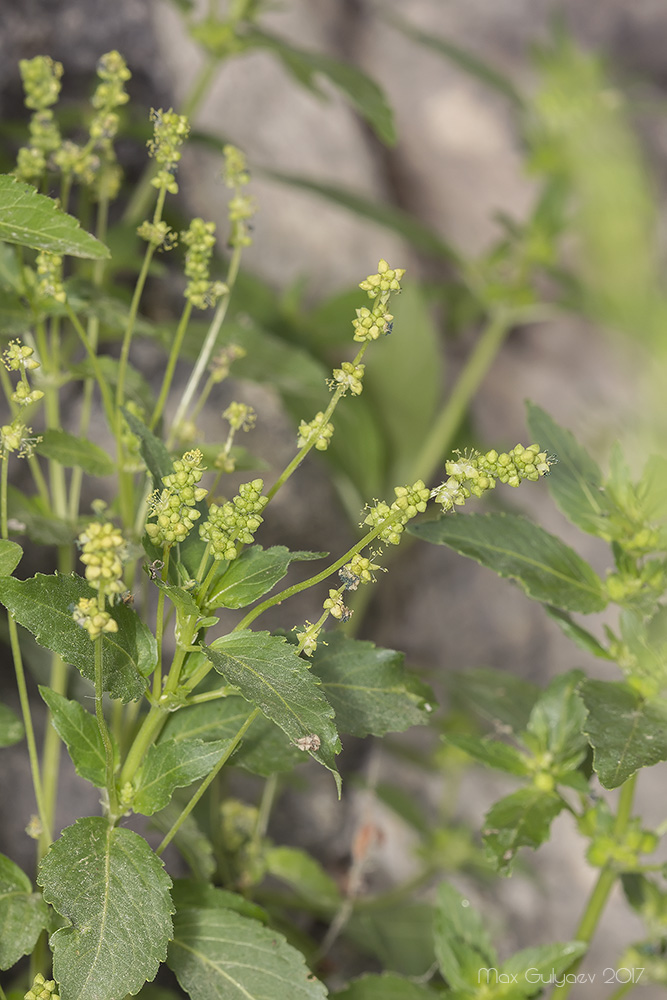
(458, 161)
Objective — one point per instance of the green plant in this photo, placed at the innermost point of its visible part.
(179, 699)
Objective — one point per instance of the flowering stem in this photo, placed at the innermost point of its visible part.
(208, 346)
(171, 364)
(301, 454)
(159, 626)
(104, 732)
(207, 780)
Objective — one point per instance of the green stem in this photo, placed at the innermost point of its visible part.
(207, 781)
(107, 399)
(602, 888)
(104, 733)
(150, 727)
(159, 628)
(171, 364)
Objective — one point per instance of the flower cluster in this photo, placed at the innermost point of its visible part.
(159, 234)
(372, 323)
(348, 376)
(410, 501)
(17, 437)
(200, 241)
(88, 615)
(316, 431)
(49, 268)
(174, 507)
(221, 364)
(102, 552)
(360, 569)
(241, 207)
(240, 416)
(169, 133)
(235, 522)
(473, 474)
(109, 95)
(42, 989)
(307, 638)
(41, 83)
(335, 605)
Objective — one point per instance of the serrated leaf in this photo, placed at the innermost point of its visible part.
(545, 568)
(11, 727)
(268, 672)
(306, 876)
(580, 636)
(33, 220)
(80, 733)
(462, 944)
(72, 451)
(496, 696)
(556, 723)
(529, 969)
(221, 955)
(43, 604)
(23, 914)
(10, 556)
(626, 732)
(253, 574)
(171, 765)
(369, 688)
(362, 92)
(575, 481)
(115, 892)
(522, 819)
(386, 986)
(491, 753)
(188, 893)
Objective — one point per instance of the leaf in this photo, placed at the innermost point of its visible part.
(522, 819)
(491, 753)
(115, 892)
(532, 968)
(386, 986)
(72, 451)
(188, 893)
(171, 765)
(43, 605)
(545, 568)
(497, 696)
(27, 517)
(153, 451)
(369, 688)
(253, 574)
(136, 387)
(575, 482)
(362, 92)
(10, 556)
(23, 914)
(268, 672)
(306, 876)
(189, 840)
(462, 945)
(400, 936)
(626, 732)
(11, 727)
(80, 733)
(410, 357)
(33, 220)
(555, 727)
(221, 955)
(580, 636)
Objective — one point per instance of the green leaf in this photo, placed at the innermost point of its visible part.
(522, 819)
(362, 92)
(580, 636)
(369, 688)
(23, 914)
(530, 969)
(626, 732)
(498, 697)
(268, 672)
(137, 388)
(110, 886)
(153, 451)
(188, 894)
(189, 840)
(221, 955)
(400, 936)
(545, 568)
(27, 516)
(386, 986)
(11, 727)
(575, 482)
(33, 220)
(395, 219)
(80, 733)
(413, 356)
(72, 451)
(43, 605)
(491, 753)
(253, 574)
(306, 876)
(171, 765)
(462, 945)
(556, 723)
(10, 556)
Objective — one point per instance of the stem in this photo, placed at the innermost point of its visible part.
(159, 628)
(207, 781)
(171, 364)
(104, 733)
(107, 399)
(208, 345)
(602, 888)
(150, 727)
